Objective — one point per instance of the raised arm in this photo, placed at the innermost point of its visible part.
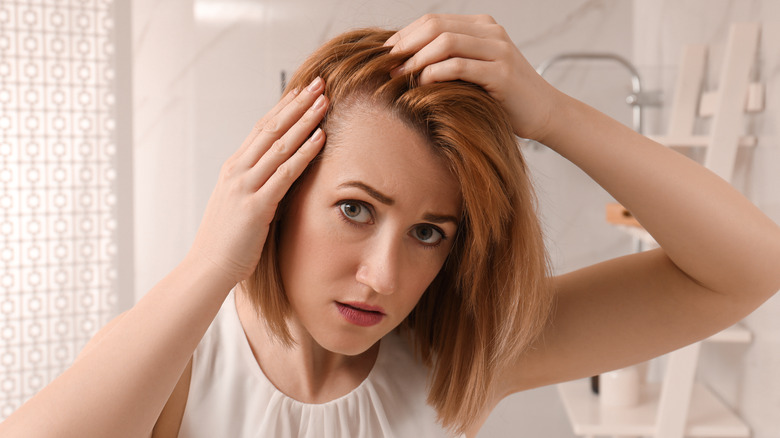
(718, 256)
(121, 381)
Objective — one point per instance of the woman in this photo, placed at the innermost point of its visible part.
(415, 219)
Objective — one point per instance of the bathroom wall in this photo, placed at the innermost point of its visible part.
(205, 70)
(745, 377)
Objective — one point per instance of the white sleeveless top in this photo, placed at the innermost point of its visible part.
(230, 396)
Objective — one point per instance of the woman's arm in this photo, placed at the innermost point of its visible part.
(717, 261)
(718, 253)
(120, 383)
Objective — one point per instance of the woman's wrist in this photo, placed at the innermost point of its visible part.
(555, 120)
(197, 264)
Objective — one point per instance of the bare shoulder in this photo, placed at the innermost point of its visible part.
(169, 422)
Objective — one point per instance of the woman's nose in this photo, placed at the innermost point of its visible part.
(380, 265)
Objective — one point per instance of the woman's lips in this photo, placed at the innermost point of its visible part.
(360, 314)
(363, 306)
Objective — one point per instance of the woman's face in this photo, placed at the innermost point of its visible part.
(367, 231)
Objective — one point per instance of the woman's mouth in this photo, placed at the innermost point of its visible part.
(360, 314)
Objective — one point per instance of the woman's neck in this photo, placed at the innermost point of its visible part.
(306, 371)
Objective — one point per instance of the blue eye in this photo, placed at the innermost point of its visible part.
(355, 212)
(427, 234)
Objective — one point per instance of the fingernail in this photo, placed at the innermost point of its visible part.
(318, 103)
(317, 135)
(397, 71)
(295, 91)
(315, 84)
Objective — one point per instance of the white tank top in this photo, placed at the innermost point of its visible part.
(230, 396)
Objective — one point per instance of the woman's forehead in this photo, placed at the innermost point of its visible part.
(371, 143)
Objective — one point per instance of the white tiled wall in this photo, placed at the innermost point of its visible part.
(203, 75)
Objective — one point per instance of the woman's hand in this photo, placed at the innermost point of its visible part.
(255, 178)
(476, 49)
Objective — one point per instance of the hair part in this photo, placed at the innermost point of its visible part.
(492, 298)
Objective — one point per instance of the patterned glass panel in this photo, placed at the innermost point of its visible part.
(57, 187)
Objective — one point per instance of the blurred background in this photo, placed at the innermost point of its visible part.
(115, 117)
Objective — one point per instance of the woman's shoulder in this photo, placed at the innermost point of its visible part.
(169, 422)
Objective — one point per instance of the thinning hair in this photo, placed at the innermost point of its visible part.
(492, 298)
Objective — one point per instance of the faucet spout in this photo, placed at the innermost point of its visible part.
(636, 83)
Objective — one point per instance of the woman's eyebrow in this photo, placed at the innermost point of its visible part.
(441, 218)
(374, 193)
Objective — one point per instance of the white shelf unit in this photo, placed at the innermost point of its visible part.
(679, 407)
(707, 416)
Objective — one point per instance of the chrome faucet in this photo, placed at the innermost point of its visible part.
(637, 99)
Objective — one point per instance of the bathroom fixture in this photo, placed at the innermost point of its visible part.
(637, 99)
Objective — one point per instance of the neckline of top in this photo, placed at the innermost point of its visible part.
(247, 355)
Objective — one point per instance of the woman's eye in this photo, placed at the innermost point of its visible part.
(427, 234)
(356, 212)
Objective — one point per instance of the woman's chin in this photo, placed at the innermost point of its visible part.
(348, 345)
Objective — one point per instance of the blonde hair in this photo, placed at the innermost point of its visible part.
(491, 298)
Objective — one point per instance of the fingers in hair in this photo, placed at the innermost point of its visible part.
(286, 173)
(287, 145)
(258, 126)
(277, 125)
(451, 69)
(423, 30)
